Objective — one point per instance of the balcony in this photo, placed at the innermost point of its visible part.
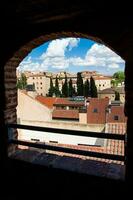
(79, 159)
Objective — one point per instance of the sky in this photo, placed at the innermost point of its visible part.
(72, 55)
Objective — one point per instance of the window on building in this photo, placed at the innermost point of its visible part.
(63, 107)
(53, 141)
(41, 88)
(33, 77)
(116, 117)
(95, 110)
(41, 83)
(40, 77)
(35, 140)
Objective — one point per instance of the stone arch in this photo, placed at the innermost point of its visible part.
(26, 20)
(13, 62)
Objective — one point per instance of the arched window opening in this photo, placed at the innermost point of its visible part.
(82, 89)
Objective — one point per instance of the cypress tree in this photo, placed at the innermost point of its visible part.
(51, 89)
(117, 96)
(65, 88)
(93, 88)
(56, 88)
(86, 88)
(79, 84)
(71, 89)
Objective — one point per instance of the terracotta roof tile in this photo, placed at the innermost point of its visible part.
(65, 114)
(66, 101)
(47, 101)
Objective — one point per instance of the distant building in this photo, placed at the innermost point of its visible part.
(116, 115)
(61, 79)
(110, 93)
(41, 83)
(102, 82)
(67, 108)
(96, 111)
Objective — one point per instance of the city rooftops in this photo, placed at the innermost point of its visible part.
(69, 102)
(107, 91)
(65, 114)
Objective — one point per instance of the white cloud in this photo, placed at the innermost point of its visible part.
(102, 56)
(113, 66)
(98, 56)
(30, 65)
(55, 54)
(57, 48)
(54, 57)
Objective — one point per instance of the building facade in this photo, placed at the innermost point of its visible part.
(41, 83)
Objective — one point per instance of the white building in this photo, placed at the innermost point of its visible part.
(41, 83)
(102, 82)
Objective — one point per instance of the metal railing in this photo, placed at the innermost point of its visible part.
(67, 149)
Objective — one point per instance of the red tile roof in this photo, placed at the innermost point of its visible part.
(47, 101)
(67, 102)
(101, 78)
(113, 147)
(65, 114)
(117, 128)
(98, 117)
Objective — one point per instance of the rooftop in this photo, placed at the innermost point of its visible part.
(96, 110)
(65, 114)
(107, 91)
(47, 101)
(116, 115)
(68, 102)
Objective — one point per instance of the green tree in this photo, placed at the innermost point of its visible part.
(51, 89)
(93, 88)
(117, 96)
(71, 89)
(86, 88)
(22, 82)
(79, 84)
(34, 86)
(65, 88)
(114, 82)
(56, 88)
(118, 77)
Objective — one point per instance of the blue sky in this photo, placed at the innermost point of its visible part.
(72, 55)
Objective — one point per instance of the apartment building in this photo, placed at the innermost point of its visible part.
(102, 82)
(110, 93)
(41, 83)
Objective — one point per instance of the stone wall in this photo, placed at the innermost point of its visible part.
(33, 25)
